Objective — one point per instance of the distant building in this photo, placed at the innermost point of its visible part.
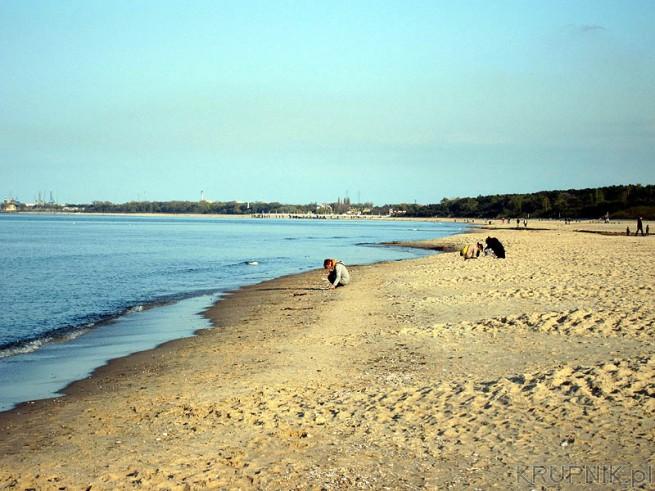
(8, 206)
(324, 208)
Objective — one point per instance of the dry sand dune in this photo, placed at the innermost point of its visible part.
(432, 373)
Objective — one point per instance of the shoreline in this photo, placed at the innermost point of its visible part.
(63, 334)
(479, 222)
(104, 377)
(131, 361)
(71, 388)
(92, 323)
(278, 350)
(257, 216)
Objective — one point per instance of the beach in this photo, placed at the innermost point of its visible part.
(429, 373)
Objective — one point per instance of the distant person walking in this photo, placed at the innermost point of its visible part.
(338, 274)
(640, 227)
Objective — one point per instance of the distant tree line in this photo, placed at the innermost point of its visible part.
(199, 207)
(616, 201)
(222, 207)
(626, 201)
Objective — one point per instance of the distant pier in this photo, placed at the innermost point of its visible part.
(313, 216)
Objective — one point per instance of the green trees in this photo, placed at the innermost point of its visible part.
(619, 201)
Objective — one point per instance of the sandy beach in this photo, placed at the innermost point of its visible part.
(431, 373)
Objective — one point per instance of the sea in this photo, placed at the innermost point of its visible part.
(79, 290)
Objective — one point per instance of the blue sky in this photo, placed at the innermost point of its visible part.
(306, 101)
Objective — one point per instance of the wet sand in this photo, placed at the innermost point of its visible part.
(428, 373)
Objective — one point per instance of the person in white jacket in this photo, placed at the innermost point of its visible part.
(338, 274)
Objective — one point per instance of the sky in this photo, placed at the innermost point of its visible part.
(308, 101)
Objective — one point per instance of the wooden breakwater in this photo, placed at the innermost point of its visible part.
(314, 216)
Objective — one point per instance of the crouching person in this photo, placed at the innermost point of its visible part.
(471, 251)
(494, 246)
(338, 274)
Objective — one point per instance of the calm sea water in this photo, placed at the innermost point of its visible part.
(68, 282)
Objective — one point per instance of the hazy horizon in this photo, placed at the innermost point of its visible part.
(303, 102)
(45, 199)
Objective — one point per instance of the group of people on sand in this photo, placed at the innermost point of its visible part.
(338, 275)
(493, 248)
